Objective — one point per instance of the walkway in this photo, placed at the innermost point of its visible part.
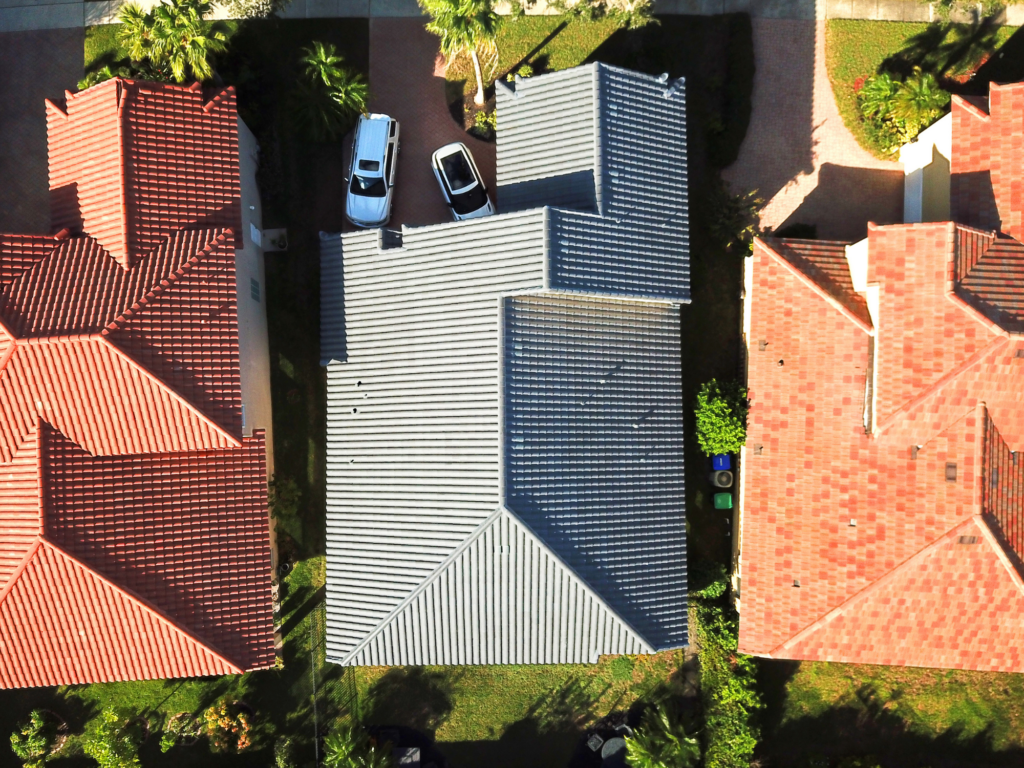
(21, 15)
(798, 153)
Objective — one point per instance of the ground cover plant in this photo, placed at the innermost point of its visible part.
(857, 50)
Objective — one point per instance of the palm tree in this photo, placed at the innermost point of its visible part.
(918, 101)
(877, 94)
(174, 37)
(661, 741)
(464, 26)
(330, 94)
(185, 40)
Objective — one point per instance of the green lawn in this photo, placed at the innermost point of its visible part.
(904, 717)
(857, 49)
(511, 715)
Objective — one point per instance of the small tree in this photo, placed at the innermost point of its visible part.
(661, 741)
(919, 101)
(114, 742)
(465, 26)
(33, 741)
(721, 417)
(349, 748)
(330, 93)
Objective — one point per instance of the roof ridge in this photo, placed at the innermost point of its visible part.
(942, 381)
(128, 594)
(573, 573)
(122, 180)
(422, 586)
(871, 588)
(171, 391)
(169, 279)
(29, 554)
(814, 286)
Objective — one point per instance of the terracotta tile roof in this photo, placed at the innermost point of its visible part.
(133, 162)
(133, 515)
(957, 604)
(988, 153)
(1002, 491)
(61, 621)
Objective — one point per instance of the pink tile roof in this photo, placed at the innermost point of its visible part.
(882, 518)
(133, 514)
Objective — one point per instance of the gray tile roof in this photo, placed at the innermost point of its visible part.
(487, 502)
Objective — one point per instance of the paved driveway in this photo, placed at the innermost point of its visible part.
(407, 82)
(35, 66)
(808, 167)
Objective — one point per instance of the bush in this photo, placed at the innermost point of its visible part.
(732, 220)
(485, 124)
(114, 742)
(284, 753)
(661, 740)
(181, 726)
(728, 686)
(348, 747)
(227, 727)
(895, 112)
(255, 9)
(721, 417)
(630, 14)
(33, 741)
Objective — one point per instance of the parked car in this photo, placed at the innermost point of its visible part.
(371, 171)
(461, 183)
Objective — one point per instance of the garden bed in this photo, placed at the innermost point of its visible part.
(856, 50)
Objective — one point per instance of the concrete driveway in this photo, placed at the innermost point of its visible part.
(798, 153)
(407, 82)
(35, 65)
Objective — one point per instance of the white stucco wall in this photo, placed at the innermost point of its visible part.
(253, 340)
(926, 173)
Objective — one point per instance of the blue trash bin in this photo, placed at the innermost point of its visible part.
(721, 462)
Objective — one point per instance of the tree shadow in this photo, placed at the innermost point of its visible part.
(947, 50)
(411, 697)
(869, 727)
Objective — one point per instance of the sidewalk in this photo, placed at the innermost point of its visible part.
(23, 15)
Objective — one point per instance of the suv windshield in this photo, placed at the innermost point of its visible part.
(368, 187)
(470, 201)
(457, 170)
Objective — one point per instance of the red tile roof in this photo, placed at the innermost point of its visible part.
(133, 514)
(881, 512)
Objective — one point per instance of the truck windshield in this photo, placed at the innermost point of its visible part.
(368, 187)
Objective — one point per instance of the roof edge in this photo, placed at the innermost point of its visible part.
(870, 589)
(422, 586)
(16, 574)
(810, 283)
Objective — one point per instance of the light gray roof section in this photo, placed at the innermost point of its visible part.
(332, 300)
(503, 598)
(593, 424)
(547, 141)
(412, 416)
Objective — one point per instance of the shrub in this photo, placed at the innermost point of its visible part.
(721, 417)
(33, 740)
(732, 220)
(227, 727)
(284, 753)
(180, 726)
(630, 14)
(348, 747)
(485, 124)
(114, 742)
(728, 686)
(895, 112)
(661, 741)
(255, 9)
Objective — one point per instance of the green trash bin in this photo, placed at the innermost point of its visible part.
(723, 501)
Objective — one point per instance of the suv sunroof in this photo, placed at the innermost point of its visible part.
(369, 165)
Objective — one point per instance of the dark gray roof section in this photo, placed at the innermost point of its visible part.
(593, 449)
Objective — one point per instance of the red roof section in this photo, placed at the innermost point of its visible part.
(881, 511)
(133, 514)
(133, 162)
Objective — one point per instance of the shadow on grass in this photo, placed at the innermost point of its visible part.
(869, 726)
(946, 50)
(411, 697)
